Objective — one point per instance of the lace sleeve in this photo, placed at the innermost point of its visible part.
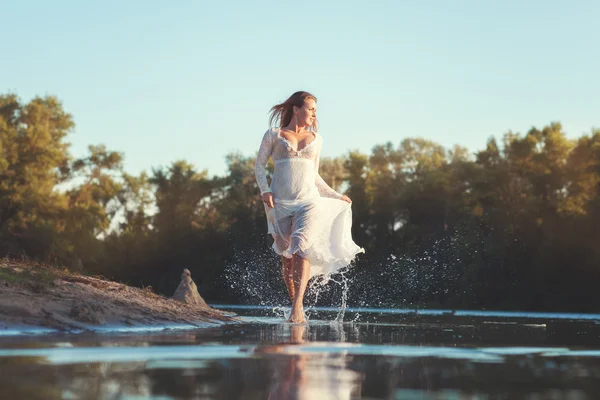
(260, 168)
(324, 189)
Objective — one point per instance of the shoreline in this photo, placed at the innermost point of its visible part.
(39, 299)
(21, 330)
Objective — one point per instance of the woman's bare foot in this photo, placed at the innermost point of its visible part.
(297, 315)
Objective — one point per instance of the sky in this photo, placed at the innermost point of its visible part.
(194, 80)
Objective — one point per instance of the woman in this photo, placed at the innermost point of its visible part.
(309, 221)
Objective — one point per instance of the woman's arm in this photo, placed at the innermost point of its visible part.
(324, 189)
(260, 168)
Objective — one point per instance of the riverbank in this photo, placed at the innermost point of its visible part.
(35, 296)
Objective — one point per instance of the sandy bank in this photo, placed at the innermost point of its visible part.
(33, 295)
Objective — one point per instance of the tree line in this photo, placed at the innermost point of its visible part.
(512, 226)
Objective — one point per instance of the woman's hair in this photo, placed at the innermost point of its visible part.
(281, 114)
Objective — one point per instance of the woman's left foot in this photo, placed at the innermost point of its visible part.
(297, 316)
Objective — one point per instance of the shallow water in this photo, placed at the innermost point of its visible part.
(389, 354)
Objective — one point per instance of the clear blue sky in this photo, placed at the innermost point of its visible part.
(193, 80)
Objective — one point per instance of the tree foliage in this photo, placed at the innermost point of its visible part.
(514, 225)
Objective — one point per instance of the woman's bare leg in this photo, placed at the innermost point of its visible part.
(301, 267)
(288, 277)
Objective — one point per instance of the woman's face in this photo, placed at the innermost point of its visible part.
(307, 114)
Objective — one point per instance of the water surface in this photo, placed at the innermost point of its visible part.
(375, 354)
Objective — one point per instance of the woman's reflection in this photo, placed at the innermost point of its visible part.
(298, 374)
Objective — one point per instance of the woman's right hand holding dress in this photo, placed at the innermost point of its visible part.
(267, 198)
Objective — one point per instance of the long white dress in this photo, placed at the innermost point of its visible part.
(308, 217)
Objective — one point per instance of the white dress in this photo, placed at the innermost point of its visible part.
(308, 217)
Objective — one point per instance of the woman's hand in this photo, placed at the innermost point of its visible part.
(346, 199)
(267, 198)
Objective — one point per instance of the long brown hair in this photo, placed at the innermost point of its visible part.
(281, 114)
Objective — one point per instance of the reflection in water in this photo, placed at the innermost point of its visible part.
(267, 359)
(298, 375)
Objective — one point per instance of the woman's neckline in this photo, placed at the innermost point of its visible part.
(287, 142)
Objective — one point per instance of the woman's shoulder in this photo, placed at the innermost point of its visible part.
(271, 132)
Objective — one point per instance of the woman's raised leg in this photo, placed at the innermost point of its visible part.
(288, 277)
(301, 272)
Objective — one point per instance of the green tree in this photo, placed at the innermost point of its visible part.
(33, 161)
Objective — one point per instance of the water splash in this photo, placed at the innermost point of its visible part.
(254, 276)
(432, 277)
